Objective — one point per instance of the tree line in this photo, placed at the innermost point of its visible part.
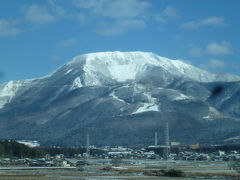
(11, 148)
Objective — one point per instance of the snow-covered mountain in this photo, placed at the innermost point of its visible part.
(99, 68)
(111, 93)
(104, 68)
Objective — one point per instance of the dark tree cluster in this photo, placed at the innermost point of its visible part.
(10, 148)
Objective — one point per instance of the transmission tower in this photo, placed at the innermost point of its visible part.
(166, 138)
(156, 139)
(87, 147)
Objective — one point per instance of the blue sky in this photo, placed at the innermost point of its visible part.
(36, 37)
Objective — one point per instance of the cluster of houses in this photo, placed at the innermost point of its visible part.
(111, 153)
(157, 152)
(214, 156)
(47, 161)
(128, 153)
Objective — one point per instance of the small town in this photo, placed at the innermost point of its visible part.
(109, 154)
(188, 161)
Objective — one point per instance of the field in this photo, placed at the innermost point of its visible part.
(127, 170)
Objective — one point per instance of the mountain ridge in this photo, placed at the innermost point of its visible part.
(88, 95)
(90, 75)
(117, 62)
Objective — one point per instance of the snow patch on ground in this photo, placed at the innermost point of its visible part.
(150, 98)
(29, 143)
(116, 97)
(119, 167)
(151, 105)
(70, 70)
(146, 107)
(181, 97)
(76, 84)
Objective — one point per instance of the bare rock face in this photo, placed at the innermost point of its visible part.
(121, 98)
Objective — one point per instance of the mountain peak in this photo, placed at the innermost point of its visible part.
(106, 68)
(124, 66)
(119, 66)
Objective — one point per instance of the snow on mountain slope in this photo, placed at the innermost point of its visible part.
(10, 89)
(124, 66)
(76, 83)
(145, 107)
(107, 68)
